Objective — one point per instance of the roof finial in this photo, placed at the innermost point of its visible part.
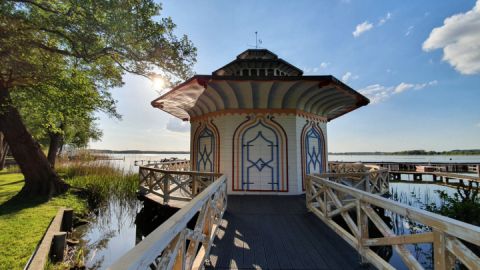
(257, 41)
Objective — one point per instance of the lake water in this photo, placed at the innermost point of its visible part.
(127, 161)
(117, 227)
(395, 158)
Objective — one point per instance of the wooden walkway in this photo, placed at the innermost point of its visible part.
(277, 232)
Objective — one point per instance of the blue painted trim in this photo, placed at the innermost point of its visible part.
(260, 164)
(313, 156)
(206, 156)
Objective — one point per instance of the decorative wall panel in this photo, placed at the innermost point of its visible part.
(206, 148)
(313, 150)
(260, 156)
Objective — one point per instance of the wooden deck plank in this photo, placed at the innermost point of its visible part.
(224, 247)
(331, 253)
(275, 243)
(257, 247)
(290, 235)
(305, 239)
(270, 254)
(277, 232)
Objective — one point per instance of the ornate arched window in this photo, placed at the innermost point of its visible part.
(313, 150)
(260, 156)
(206, 147)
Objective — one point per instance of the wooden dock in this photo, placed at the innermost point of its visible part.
(277, 232)
(447, 167)
(436, 176)
(451, 180)
(328, 228)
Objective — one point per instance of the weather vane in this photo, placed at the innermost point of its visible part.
(257, 41)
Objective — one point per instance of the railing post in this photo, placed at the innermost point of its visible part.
(166, 188)
(194, 185)
(308, 196)
(367, 182)
(362, 224)
(439, 250)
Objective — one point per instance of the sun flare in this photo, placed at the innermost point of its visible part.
(158, 83)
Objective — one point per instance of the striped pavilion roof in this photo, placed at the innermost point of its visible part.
(324, 96)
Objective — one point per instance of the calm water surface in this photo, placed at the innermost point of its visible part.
(114, 230)
(386, 158)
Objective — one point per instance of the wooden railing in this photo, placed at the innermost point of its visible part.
(174, 181)
(172, 165)
(372, 180)
(173, 245)
(449, 237)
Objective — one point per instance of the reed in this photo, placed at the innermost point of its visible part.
(99, 181)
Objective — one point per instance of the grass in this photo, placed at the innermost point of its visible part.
(23, 222)
(100, 180)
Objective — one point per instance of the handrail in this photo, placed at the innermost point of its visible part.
(447, 236)
(372, 181)
(174, 183)
(180, 172)
(166, 247)
(179, 165)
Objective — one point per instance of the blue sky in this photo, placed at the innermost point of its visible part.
(424, 84)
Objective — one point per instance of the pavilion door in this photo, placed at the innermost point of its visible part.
(260, 159)
(205, 151)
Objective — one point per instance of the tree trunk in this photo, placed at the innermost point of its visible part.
(60, 150)
(3, 151)
(40, 178)
(55, 142)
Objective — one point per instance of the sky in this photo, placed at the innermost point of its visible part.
(417, 61)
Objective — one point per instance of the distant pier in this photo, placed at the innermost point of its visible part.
(449, 167)
(448, 174)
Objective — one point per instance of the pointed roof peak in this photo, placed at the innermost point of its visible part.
(257, 54)
(258, 63)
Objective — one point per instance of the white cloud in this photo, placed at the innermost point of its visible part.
(478, 124)
(324, 64)
(402, 87)
(177, 125)
(362, 28)
(378, 93)
(310, 70)
(349, 76)
(367, 26)
(384, 19)
(409, 30)
(459, 37)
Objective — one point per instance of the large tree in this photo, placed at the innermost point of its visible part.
(3, 151)
(61, 112)
(40, 39)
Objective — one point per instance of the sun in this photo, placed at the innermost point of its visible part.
(158, 83)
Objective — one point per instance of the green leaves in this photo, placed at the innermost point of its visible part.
(107, 36)
(65, 106)
(60, 58)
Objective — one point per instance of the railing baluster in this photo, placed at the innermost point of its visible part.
(165, 247)
(439, 250)
(194, 185)
(166, 188)
(362, 224)
(448, 236)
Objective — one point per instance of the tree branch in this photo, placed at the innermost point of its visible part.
(39, 5)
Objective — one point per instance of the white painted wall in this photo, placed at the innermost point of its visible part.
(293, 125)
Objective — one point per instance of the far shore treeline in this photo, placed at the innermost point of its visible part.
(102, 151)
(398, 153)
(416, 153)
